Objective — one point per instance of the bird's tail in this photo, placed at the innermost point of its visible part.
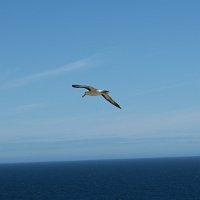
(105, 91)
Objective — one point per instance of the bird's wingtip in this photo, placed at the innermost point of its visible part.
(117, 105)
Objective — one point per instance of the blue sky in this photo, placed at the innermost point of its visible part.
(145, 52)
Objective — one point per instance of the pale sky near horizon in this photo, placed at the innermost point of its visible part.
(145, 52)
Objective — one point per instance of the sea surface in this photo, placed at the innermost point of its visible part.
(137, 179)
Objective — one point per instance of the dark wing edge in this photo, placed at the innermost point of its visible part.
(108, 98)
(82, 86)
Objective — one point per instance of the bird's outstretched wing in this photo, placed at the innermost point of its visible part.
(108, 98)
(84, 86)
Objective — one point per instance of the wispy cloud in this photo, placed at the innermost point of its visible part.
(155, 124)
(167, 86)
(171, 124)
(171, 133)
(26, 107)
(50, 73)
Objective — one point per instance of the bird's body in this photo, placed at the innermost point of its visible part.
(96, 92)
(91, 91)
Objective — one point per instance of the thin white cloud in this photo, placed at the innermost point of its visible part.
(145, 135)
(26, 107)
(154, 124)
(167, 86)
(50, 73)
(171, 124)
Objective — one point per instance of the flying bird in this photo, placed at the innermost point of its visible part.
(91, 91)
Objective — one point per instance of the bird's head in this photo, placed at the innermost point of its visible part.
(86, 92)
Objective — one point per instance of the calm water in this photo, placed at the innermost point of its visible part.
(140, 179)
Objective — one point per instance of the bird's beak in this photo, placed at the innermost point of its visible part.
(83, 95)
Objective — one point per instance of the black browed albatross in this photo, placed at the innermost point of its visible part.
(91, 91)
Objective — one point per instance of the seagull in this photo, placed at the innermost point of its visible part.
(91, 91)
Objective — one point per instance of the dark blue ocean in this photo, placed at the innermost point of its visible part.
(137, 179)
